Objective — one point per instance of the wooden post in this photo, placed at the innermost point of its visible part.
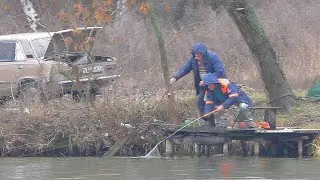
(300, 147)
(244, 148)
(70, 145)
(225, 149)
(273, 148)
(169, 147)
(207, 150)
(270, 117)
(196, 149)
(256, 148)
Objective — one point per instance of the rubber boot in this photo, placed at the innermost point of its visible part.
(245, 115)
(249, 123)
(211, 121)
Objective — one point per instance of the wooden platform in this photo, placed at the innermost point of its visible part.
(245, 134)
(279, 136)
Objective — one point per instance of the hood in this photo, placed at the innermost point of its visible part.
(210, 79)
(71, 40)
(199, 48)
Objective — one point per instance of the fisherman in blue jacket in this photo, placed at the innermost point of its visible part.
(222, 94)
(202, 61)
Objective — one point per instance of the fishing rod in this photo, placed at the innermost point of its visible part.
(156, 146)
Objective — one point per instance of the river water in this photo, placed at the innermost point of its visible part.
(164, 168)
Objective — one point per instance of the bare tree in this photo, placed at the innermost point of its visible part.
(145, 8)
(279, 91)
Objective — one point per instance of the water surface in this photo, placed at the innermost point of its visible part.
(165, 168)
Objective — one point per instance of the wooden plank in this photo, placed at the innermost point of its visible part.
(265, 108)
(275, 131)
(115, 148)
(278, 128)
(307, 131)
(243, 130)
(207, 129)
(255, 130)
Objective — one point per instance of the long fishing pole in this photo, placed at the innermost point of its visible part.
(156, 146)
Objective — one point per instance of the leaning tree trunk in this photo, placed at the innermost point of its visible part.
(279, 91)
(165, 69)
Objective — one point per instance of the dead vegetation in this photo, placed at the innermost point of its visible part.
(63, 127)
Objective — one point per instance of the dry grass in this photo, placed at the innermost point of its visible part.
(305, 114)
(48, 127)
(66, 127)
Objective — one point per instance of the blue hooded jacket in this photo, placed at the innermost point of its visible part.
(212, 64)
(226, 93)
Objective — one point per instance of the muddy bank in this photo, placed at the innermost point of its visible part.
(67, 147)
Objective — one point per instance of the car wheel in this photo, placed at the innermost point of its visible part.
(82, 96)
(30, 92)
(76, 96)
(2, 101)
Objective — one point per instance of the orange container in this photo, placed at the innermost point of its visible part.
(265, 125)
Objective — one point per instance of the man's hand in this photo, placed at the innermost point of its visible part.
(173, 80)
(219, 108)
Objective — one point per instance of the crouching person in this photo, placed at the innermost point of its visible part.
(222, 94)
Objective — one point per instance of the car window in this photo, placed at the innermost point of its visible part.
(11, 51)
(7, 51)
(40, 46)
(20, 56)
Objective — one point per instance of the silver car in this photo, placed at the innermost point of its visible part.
(54, 63)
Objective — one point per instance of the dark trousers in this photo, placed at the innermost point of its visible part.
(200, 100)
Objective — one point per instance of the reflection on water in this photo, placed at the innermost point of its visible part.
(166, 168)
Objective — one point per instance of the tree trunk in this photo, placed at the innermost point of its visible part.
(120, 10)
(279, 91)
(32, 15)
(165, 69)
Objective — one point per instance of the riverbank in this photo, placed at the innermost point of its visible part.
(66, 128)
